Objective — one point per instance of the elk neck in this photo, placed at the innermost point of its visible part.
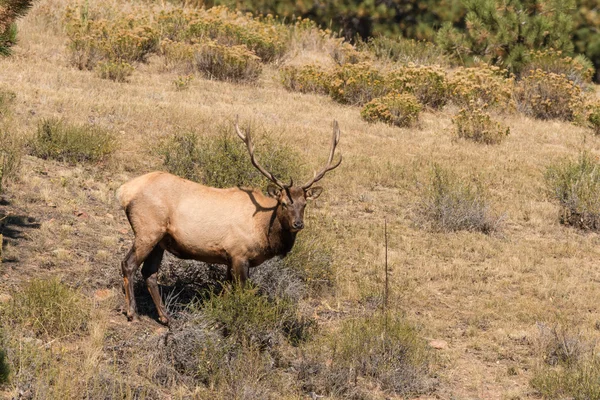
(280, 239)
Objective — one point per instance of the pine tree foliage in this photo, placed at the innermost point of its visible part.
(586, 35)
(503, 32)
(10, 10)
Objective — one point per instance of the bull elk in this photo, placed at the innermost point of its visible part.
(238, 227)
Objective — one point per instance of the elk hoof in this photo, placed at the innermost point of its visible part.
(164, 320)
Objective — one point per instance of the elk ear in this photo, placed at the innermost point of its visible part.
(273, 191)
(313, 193)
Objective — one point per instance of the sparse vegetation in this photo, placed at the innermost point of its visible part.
(11, 144)
(570, 368)
(58, 140)
(49, 308)
(395, 109)
(453, 203)
(222, 160)
(385, 351)
(477, 125)
(406, 51)
(4, 367)
(117, 71)
(575, 184)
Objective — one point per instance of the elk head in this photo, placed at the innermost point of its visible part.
(292, 199)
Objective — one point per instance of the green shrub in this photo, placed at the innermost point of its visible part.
(356, 84)
(60, 141)
(546, 95)
(394, 109)
(407, 51)
(48, 307)
(378, 351)
(576, 187)
(477, 125)
(452, 203)
(484, 86)
(594, 117)
(223, 160)
(227, 63)
(428, 84)
(117, 71)
(252, 319)
(305, 79)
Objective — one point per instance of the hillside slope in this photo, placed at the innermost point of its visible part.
(486, 296)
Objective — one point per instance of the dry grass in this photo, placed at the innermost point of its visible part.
(482, 294)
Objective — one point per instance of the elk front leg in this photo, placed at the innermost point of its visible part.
(149, 272)
(240, 271)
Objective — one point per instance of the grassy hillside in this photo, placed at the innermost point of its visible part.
(496, 315)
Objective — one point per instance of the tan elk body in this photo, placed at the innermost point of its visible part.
(238, 227)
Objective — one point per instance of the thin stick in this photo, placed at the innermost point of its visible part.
(385, 295)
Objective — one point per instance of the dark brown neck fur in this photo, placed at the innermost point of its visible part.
(281, 240)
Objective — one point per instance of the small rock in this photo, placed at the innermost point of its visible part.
(439, 344)
(5, 298)
(102, 294)
(109, 215)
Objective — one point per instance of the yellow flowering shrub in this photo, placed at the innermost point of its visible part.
(577, 69)
(227, 63)
(305, 79)
(267, 37)
(121, 40)
(485, 86)
(394, 109)
(344, 53)
(475, 124)
(356, 84)
(546, 95)
(427, 83)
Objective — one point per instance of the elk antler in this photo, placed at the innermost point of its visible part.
(328, 167)
(246, 138)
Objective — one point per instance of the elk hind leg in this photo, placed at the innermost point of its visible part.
(149, 272)
(134, 258)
